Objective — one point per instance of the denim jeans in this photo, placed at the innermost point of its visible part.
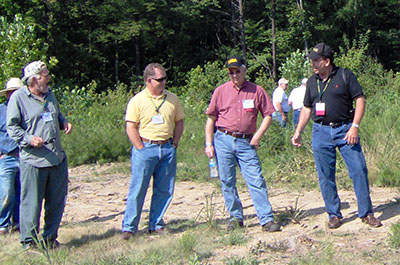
(296, 116)
(50, 184)
(325, 140)
(229, 151)
(277, 116)
(158, 161)
(9, 191)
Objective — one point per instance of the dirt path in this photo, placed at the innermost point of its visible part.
(97, 193)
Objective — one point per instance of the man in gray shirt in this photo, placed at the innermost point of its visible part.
(34, 121)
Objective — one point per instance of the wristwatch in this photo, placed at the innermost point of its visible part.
(209, 144)
(355, 125)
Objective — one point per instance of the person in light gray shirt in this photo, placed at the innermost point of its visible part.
(34, 121)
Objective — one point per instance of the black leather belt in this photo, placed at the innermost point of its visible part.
(155, 141)
(234, 134)
(334, 124)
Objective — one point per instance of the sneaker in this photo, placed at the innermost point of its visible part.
(3, 231)
(371, 220)
(126, 235)
(234, 224)
(271, 227)
(28, 245)
(334, 222)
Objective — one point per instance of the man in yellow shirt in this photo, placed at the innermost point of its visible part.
(154, 124)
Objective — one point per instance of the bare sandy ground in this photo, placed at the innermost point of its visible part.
(98, 193)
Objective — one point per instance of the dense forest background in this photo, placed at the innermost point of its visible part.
(111, 41)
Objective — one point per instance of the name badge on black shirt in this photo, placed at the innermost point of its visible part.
(320, 109)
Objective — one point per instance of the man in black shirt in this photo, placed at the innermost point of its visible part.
(328, 101)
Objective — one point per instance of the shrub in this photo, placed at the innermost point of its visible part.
(98, 126)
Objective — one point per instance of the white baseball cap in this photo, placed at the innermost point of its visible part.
(12, 84)
(283, 81)
(32, 68)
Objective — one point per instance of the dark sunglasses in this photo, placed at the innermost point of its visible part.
(164, 78)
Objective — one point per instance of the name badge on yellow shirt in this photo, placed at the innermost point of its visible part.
(47, 117)
(248, 104)
(320, 109)
(157, 119)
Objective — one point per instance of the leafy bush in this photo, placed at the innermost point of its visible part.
(98, 126)
(295, 68)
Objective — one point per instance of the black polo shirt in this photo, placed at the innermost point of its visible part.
(338, 96)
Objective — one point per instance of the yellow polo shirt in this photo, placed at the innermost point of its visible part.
(142, 107)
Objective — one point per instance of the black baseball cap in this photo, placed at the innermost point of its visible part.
(235, 61)
(321, 50)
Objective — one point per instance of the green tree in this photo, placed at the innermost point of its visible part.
(19, 45)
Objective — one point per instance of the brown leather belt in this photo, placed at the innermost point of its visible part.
(234, 134)
(155, 141)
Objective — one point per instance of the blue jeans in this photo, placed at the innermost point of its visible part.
(277, 116)
(50, 184)
(158, 161)
(9, 192)
(229, 151)
(325, 140)
(296, 116)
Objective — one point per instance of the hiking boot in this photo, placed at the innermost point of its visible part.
(126, 235)
(371, 220)
(234, 224)
(271, 227)
(334, 222)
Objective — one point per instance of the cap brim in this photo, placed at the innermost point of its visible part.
(313, 55)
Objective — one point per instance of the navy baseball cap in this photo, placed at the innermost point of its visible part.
(235, 61)
(321, 50)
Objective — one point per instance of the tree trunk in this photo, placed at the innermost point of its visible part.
(273, 40)
(241, 21)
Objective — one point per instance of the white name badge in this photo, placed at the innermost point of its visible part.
(47, 117)
(320, 109)
(157, 119)
(248, 104)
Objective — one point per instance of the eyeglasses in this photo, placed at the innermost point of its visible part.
(233, 72)
(161, 79)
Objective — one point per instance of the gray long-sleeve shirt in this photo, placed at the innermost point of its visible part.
(27, 116)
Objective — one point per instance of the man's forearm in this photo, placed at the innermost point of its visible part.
(178, 131)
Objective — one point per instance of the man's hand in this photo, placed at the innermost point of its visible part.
(255, 141)
(37, 142)
(296, 139)
(352, 136)
(284, 117)
(210, 151)
(67, 128)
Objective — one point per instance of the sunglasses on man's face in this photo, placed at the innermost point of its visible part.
(161, 79)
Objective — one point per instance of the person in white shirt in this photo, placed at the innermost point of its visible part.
(296, 99)
(280, 101)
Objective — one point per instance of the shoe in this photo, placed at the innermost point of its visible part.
(50, 244)
(371, 220)
(234, 224)
(334, 222)
(28, 245)
(271, 227)
(126, 235)
(3, 231)
(159, 231)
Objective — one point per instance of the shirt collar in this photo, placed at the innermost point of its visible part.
(151, 96)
